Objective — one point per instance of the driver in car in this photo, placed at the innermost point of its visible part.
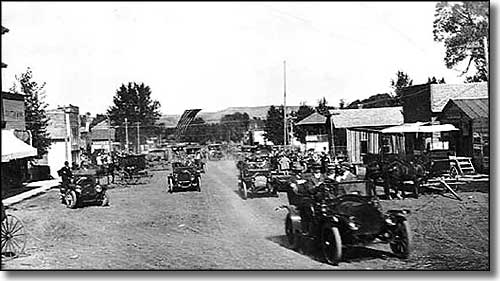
(309, 189)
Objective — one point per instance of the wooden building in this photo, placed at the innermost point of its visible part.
(352, 134)
(471, 117)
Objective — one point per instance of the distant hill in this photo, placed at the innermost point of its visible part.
(214, 117)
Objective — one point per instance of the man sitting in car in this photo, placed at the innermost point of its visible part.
(309, 189)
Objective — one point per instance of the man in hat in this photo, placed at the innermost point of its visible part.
(309, 189)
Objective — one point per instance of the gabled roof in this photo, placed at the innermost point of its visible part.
(359, 117)
(101, 131)
(314, 118)
(442, 93)
(473, 107)
(367, 117)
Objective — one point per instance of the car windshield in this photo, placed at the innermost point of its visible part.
(357, 187)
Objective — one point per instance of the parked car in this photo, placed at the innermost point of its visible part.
(83, 188)
(184, 177)
(345, 214)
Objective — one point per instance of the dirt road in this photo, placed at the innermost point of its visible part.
(147, 228)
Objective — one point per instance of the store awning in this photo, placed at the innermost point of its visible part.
(14, 148)
(419, 127)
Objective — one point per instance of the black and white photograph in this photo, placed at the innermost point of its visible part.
(246, 136)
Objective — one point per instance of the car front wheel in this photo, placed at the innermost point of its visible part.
(400, 244)
(331, 244)
(70, 199)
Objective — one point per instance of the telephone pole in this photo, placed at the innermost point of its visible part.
(109, 134)
(126, 135)
(485, 47)
(138, 139)
(284, 105)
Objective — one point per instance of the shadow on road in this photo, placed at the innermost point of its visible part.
(349, 254)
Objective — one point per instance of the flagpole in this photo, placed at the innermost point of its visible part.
(284, 105)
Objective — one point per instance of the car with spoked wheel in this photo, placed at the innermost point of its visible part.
(344, 214)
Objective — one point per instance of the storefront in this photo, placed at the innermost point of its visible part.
(15, 155)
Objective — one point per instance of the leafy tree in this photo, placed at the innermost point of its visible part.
(196, 131)
(303, 111)
(378, 100)
(322, 107)
(403, 80)
(462, 28)
(341, 104)
(273, 125)
(133, 101)
(34, 109)
(434, 80)
(235, 125)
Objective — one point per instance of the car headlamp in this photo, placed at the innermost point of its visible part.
(389, 221)
(301, 181)
(98, 188)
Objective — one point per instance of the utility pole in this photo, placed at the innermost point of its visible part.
(68, 133)
(485, 47)
(138, 139)
(109, 134)
(284, 105)
(126, 135)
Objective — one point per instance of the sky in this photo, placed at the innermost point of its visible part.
(214, 55)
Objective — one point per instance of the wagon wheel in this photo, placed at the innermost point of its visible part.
(331, 244)
(454, 172)
(244, 190)
(400, 244)
(13, 237)
(70, 199)
(170, 185)
(291, 235)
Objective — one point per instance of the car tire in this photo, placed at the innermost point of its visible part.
(70, 199)
(291, 235)
(170, 187)
(105, 200)
(331, 244)
(244, 190)
(199, 184)
(401, 241)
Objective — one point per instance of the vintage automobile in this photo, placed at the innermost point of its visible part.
(194, 152)
(184, 177)
(344, 213)
(133, 167)
(215, 152)
(254, 178)
(83, 187)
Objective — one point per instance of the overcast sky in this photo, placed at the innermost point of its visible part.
(217, 55)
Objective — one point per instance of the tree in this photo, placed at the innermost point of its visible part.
(341, 104)
(273, 125)
(303, 111)
(403, 80)
(235, 125)
(322, 107)
(434, 80)
(378, 100)
(133, 101)
(34, 109)
(462, 28)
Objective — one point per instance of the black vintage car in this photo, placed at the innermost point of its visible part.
(184, 176)
(83, 187)
(345, 214)
(254, 178)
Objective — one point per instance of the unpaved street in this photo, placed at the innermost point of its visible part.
(147, 228)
